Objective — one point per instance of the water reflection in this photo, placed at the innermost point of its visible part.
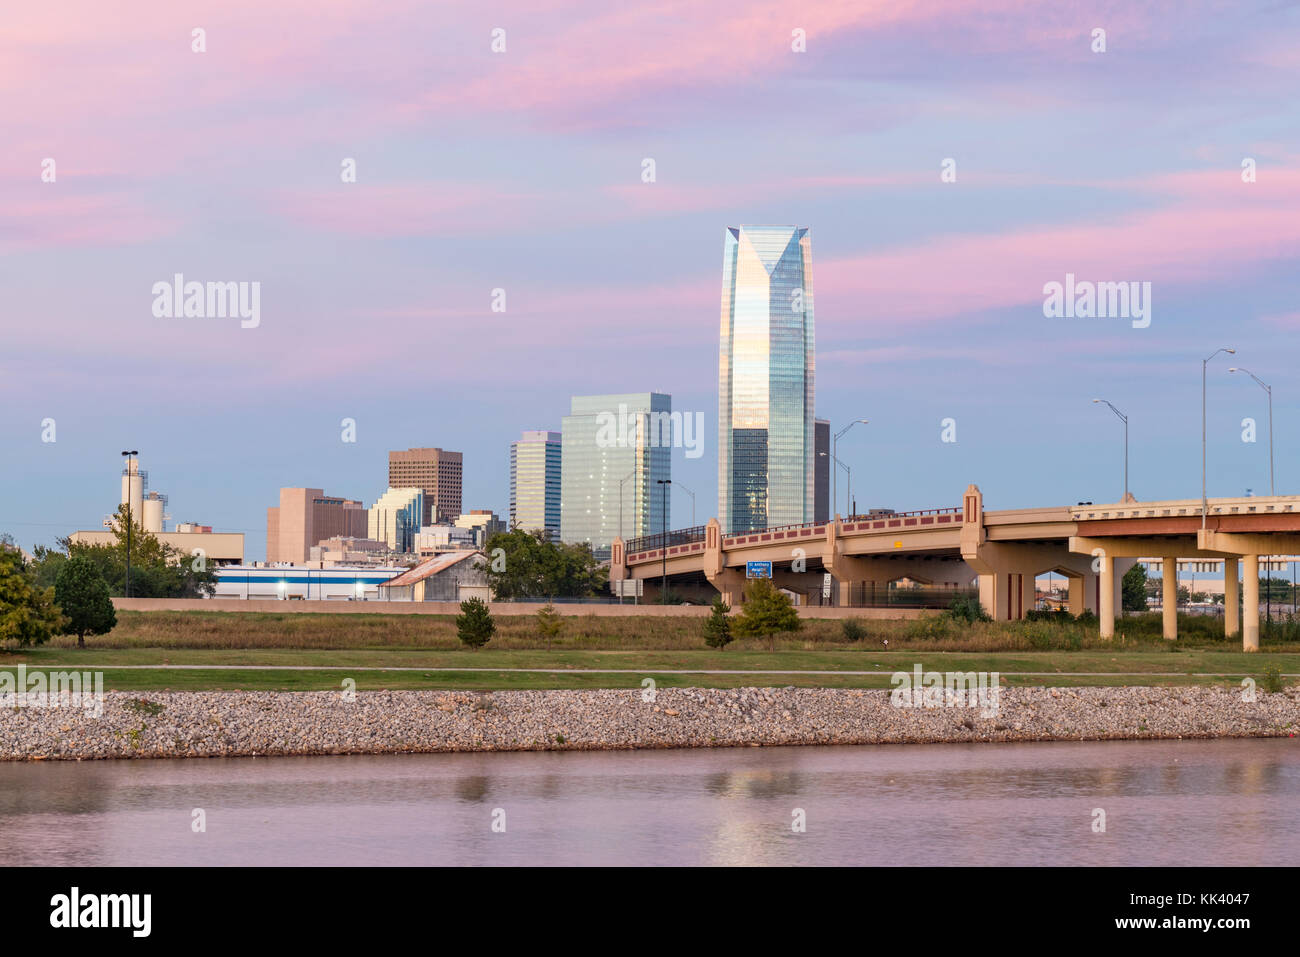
(1178, 802)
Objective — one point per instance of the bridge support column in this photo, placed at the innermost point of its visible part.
(731, 585)
(1231, 598)
(1169, 597)
(1106, 598)
(1078, 601)
(1250, 607)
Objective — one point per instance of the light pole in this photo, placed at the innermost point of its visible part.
(620, 523)
(1123, 418)
(835, 493)
(1272, 489)
(130, 488)
(663, 545)
(620, 502)
(692, 495)
(1205, 502)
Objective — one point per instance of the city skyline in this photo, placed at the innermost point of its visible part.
(931, 289)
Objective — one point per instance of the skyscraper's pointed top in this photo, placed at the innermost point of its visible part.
(769, 243)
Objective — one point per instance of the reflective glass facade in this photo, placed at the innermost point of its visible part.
(535, 482)
(606, 439)
(766, 441)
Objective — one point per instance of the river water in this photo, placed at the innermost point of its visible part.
(1166, 803)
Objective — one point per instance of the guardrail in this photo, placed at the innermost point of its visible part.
(682, 536)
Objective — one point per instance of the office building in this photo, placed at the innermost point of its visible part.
(615, 450)
(535, 482)
(307, 516)
(435, 472)
(483, 522)
(766, 440)
(395, 518)
(822, 470)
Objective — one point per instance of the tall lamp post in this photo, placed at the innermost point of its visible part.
(835, 492)
(620, 522)
(663, 546)
(1272, 489)
(620, 500)
(1205, 502)
(692, 495)
(1123, 418)
(130, 485)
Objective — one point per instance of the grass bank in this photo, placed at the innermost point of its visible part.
(212, 650)
(256, 630)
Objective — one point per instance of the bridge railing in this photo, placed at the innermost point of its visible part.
(869, 516)
(649, 543)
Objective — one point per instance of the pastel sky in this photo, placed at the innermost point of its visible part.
(522, 170)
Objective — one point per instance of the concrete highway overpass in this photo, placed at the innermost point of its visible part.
(1000, 553)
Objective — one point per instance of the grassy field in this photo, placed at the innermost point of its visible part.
(241, 630)
(596, 652)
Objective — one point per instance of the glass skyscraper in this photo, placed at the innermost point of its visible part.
(535, 482)
(766, 431)
(613, 442)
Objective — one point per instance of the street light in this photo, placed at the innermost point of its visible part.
(663, 545)
(692, 495)
(1124, 419)
(1272, 489)
(1205, 502)
(848, 479)
(620, 501)
(130, 486)
(835, 492)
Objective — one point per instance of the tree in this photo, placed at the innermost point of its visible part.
(157, 570)
(524, 564)
(474, 624)
(549, 623)
(1134, 589)
(717, 627)
(28, 614)
(766, 611)
(82, 595)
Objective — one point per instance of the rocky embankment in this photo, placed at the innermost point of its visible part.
(228, 723)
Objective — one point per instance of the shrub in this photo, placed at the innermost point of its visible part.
(474, 624)
(1060, 615)
(717, 627)
(852, 629)
(549, 623)
(928, 627)
(766, 611)
(967, 608)
(1272, 679)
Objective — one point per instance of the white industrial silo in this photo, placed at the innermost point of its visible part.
(133, 481)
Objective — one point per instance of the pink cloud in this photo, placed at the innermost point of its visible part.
(58, 218)
(1220, 228)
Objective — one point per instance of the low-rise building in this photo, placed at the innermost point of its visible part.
(341, 583)
(455, 576)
